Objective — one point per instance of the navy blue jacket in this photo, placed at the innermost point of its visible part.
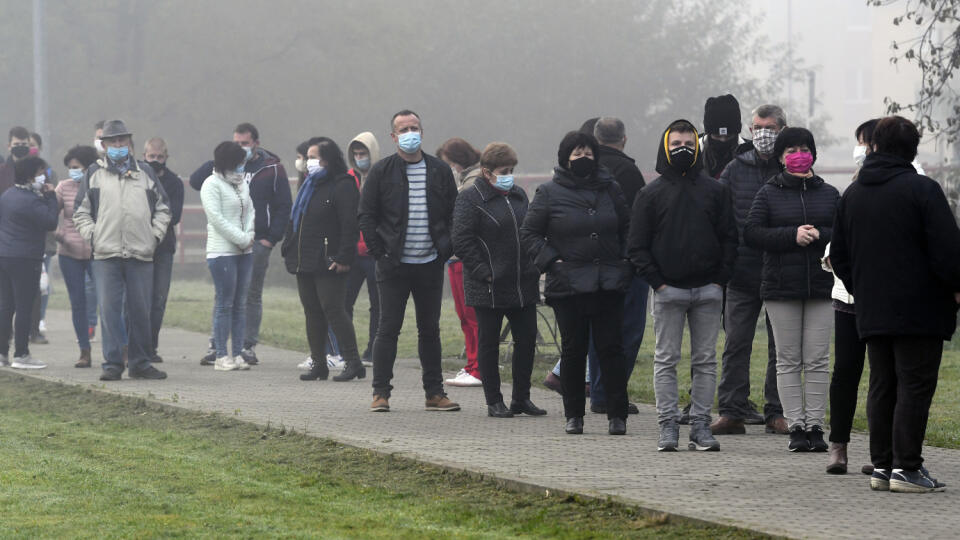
(173, 185)
(269, 189)
(25, 218)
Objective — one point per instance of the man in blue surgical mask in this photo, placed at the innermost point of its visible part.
(123, 212)
(406, 215)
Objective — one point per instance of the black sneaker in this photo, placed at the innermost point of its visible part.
(815, 439)
(598, 408)
(752, 416)
(880, 480)
(149, 372)
(210, 358)
(110, 375)
(156, 359)
(249, 356)
(632, 408)
(902, 481)
(939, 486)
(798, 440)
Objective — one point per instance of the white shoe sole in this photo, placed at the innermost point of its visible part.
(18, 365)
(461, 384)
(224, 368)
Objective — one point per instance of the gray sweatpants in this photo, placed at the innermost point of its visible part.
(671, 307)
(802, 330)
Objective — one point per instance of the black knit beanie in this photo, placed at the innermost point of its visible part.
(721, 115)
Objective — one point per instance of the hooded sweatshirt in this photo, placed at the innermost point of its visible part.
(368, 140)
(683, 232)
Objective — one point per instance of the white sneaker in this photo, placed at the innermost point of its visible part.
(241, 364)
(463, 379)
(225, 363)
(335, 362)
(27, 362)
(306, 364)
(42, 326)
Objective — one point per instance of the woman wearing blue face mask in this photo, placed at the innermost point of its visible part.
(229, 210)
(73, 251)
(27, 211)
(319, 247)
(499, 277)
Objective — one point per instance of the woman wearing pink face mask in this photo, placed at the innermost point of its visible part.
(791, 221)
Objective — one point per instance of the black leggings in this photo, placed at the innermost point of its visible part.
(849, 353)
(523, 326)
(19, 285)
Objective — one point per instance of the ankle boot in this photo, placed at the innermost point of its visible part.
(838, 458)
(84, 360)
(353, 370)
(319, 372)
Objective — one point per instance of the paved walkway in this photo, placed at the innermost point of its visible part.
(752, 482)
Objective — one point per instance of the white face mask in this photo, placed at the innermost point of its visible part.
(38, 182)
(98, 144)
(314, 167)
(859, 154)
(301, 165)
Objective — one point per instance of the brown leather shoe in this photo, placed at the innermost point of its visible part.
(778, 425)
(380, 404)
(441, 403)
(838, 458)
(727, 426)
(84, 360)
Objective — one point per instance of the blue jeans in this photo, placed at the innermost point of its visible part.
(90, 290)
(162, 271)
(231, 279)
(124, 285)
(75, 272)
(634, 323)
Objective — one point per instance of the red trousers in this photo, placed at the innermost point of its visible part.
(468, 318)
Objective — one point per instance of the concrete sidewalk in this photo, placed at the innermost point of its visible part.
(753, 482)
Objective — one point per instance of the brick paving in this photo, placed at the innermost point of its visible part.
(753, 482)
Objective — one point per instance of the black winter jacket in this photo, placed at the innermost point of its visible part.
(896, 247)
(497, 271)
(624, 170)
(384, 209)
(744, 176)
(328, 229)
(173, 185)
(25, 218)
(682, 229)
(269, 190)
(784, 203)
(576, 232)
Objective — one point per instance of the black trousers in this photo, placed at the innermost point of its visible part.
(19, 285)
(425, 283)
(323, 297)
(523, 325)
(577, 316)
(849, 353)
(903, 379)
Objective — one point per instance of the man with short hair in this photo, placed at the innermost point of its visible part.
(19, 147)
(406, 216)
(896, 246)
(123, 212)
(155, 154)
(683, 241)
(270, 191)
(744, 176)
(611, 134)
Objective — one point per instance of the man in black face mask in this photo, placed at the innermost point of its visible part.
(721, 122)
(155, 154)
(19, 147)
(683, 241)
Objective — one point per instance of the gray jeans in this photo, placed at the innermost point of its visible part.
(261, 260)
(740, 325)
(671, 307)
(803, 330)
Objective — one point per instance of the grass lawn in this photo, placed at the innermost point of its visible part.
(283, 325)
(82, 464)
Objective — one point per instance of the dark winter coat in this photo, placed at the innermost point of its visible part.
(744, 176)
(624, 170)
(497, 271)
(25, 218)
(384, 209)
(269, 190)
(784, 203)
(896, 247)
(576, 232)
(173, 185)
(682, 229)
(7, 175)
(328, 229)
